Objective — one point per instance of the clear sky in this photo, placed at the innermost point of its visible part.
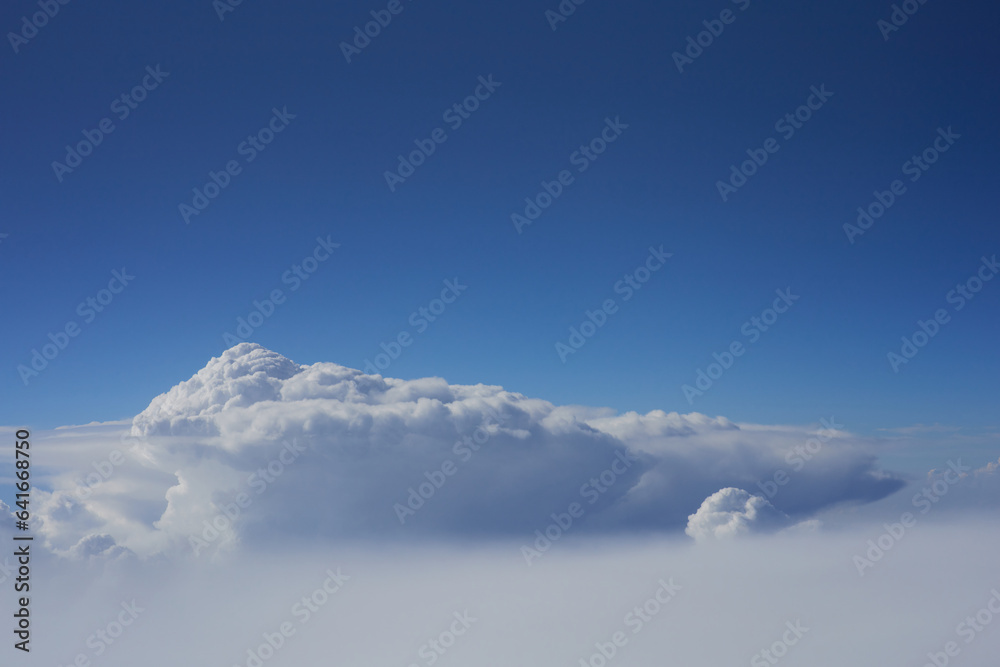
(608, 68)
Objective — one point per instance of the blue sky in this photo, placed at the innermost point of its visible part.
(323, 177)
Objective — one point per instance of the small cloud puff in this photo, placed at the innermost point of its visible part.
(731, 512)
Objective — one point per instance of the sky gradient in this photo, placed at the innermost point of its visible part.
(323, 177)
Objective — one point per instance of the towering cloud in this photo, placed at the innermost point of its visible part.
(255, 446)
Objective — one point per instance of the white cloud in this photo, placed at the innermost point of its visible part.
(730, 512)
(362, 442)
(733, 602)
(366, 439)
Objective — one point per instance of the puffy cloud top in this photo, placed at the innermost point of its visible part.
(323, 450)
(243, 375)
(730, 512)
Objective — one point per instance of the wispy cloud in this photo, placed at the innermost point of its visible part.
(918, 429)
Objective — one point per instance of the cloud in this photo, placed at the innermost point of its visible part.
(730, 512)
(102, 546)
(731, 604)
(255, 447)
(923, 428)
(959, 486)
(7, 518)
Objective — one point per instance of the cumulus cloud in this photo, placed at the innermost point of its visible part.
(98, 546)
(730, 512)
(255, 446)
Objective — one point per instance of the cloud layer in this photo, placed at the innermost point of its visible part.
(276, 448)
